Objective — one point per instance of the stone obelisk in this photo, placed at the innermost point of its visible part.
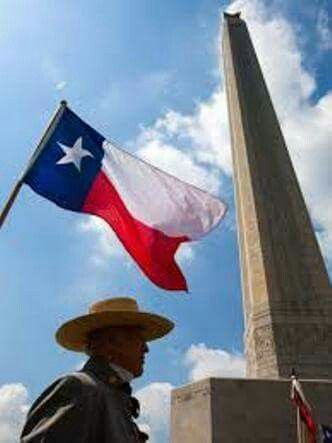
(286, 290)
(287, 297)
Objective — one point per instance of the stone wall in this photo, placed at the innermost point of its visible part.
(217, 410)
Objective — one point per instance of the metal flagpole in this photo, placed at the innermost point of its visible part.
(44, 139)
(299, 426)
(298, 418)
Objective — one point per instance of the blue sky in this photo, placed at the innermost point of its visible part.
(145, 74)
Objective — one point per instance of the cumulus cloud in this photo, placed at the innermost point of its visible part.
(205, 362)
(13, 409)
(106, 243)
(200, 139)
(185, 254)
(53, 72)
(61, 85)
(155, 406)
(288, 81)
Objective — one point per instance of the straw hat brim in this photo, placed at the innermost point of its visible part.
(73, 334)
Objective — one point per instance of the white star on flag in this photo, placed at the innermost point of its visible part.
(73, 154)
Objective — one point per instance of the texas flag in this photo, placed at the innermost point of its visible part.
(309, 431)
(150, 211)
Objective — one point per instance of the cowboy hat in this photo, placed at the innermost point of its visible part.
(122, 311)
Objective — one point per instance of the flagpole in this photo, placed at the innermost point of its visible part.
(298, 418)
(299, 426)
(44, 139)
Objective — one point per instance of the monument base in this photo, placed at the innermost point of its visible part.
(224, 410)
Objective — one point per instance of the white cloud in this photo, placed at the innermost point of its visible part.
(200, 139)
(289, 83)
(144, 427)
(106, 244)
(53, 73)
(13, 409)
(205, 362)
(155, 409)
(324, 31)
(310, 134)
(61, 85)
(185, 254)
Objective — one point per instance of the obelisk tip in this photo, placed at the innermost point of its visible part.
(232, 15)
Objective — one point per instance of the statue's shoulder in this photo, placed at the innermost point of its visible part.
(71, 384)
(81, 382)
(80, 377)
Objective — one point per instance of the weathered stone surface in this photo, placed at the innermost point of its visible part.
(287, 296)
(190, 407)
(219, 410)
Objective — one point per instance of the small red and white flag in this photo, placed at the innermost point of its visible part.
(309, 433)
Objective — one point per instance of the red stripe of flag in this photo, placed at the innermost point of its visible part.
(153, 250)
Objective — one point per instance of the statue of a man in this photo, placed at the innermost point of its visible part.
(94, 405)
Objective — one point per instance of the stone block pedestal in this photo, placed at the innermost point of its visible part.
(217, 410)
